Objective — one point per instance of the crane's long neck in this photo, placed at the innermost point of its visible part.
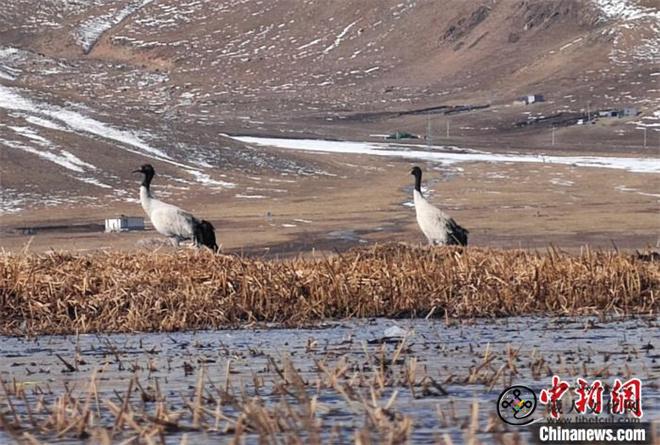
(145, 193)
(418, 183)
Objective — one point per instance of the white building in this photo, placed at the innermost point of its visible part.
(124, 223)
(530, 99)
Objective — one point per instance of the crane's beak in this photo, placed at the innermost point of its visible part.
(136, 171)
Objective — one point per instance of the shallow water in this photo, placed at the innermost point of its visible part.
(569, 347)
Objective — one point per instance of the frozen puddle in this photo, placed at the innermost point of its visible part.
(472, 363)
(442, 155)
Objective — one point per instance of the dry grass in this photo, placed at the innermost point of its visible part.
(113, 292)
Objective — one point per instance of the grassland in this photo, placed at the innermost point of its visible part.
(60, 293)
(528, 207)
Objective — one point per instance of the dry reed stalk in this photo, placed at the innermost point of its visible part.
(120, 292)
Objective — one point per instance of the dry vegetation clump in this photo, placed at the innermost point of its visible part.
(113, 291)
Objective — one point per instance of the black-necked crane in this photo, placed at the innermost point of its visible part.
(438, 227)
(170, 220)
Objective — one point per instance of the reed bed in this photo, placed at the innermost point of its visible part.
(59, 292)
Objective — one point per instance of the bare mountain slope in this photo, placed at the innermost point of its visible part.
(89, 89)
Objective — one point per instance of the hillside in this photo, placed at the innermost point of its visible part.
(91, 89)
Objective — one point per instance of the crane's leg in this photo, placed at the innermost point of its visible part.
(175, 241)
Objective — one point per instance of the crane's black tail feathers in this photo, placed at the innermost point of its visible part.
(204, 234)
(458, 236)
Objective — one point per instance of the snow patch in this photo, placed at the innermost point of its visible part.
(60, 118)
(8, 56)
(89, 32)
(45, 123)
(206, 179)
(64, 159)
(10, 99)
(625, 10)
(561, 182)
(250, 196)
(92, 181)
(639, 165)
(339, 38)
(307, 45)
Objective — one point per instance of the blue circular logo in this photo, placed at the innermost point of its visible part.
(516, 405)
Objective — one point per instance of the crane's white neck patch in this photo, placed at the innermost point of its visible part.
(418, 198)
(145, 198)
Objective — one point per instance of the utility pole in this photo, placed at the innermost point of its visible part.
(428, 133)
(447, 127)
(644, 128)
(553, 135)
(588, 111)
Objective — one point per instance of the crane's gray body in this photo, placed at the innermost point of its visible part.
(171, 221)
(438, 227)
(168, 220)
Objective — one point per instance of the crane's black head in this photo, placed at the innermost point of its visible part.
(417, 173)
(148, 171)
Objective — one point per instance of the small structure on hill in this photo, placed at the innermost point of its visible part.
(124, 223)
(401, 135)
(630, 111)
(618, 112)
(530, 99)
(609, 113)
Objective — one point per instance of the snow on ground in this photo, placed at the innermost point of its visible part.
(93, 181)
(627, 15)
(312, 43)
(30, 134)
(624, 189)
(561, 182)
(45, 123)
(64, 159)
(240, 195)
(89, 32)
(12, 99)
(51, 116)
(7, 58)
(37, 117)
(16, 62)
(625, 10)
(639, 165)
(14, 201)
(339, 38)
(206, 180)
(47, 150)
